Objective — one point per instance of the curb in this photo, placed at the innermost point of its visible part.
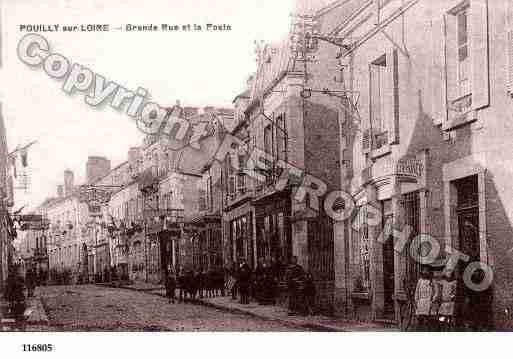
(310, 326)
(127, 287)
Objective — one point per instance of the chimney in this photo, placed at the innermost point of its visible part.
(134, 154)
(60, 191)
(69, 180)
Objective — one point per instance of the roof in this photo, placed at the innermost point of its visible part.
(112, 170)
(245, 94)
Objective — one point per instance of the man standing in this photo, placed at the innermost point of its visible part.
(30, 282)
(295, 277)
(244, 280)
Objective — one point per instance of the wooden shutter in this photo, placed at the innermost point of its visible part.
(392, 97)
(438, 76)
(451, 60)
(479, 53)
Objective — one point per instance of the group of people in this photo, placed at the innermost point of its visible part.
(442, 303)
(261, 284)
(191, 284)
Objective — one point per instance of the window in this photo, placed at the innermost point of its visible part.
(281, 138)
(463, 63)
(202, 200)
(209, 199)
(378, 90)
(241, 183)
(268, 139)
(361, 250)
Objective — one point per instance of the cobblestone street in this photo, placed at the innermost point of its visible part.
(93, 308)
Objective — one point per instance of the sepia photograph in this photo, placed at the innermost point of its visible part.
(291, 166)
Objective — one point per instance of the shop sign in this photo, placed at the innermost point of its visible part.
(93, 196)
(410, 167)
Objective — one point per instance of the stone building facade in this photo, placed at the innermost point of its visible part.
(425, 147)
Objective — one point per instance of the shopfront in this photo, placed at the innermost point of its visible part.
(273, 228)
(239, 234)
(383, 271)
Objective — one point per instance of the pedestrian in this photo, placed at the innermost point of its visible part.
(424, 294)
(257, 283)
(309, 294)
(219, 283)
(30, 282)
(181, 285)
(170, 285)
(434, 317)
(201, 279)
(475, 306)
(232, 280)
(14, 293)
(244, 280)
(295, 278)
(268, 284)
(448, 285)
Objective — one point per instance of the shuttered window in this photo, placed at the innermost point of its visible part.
(463, 59)
(466, 38)
(384, 102)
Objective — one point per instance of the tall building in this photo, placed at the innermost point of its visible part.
(426, 149)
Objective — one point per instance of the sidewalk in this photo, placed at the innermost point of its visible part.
(280, 315)
(137, 286)
(272, 313)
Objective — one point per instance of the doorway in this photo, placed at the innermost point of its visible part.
(468, 217)
(388, 265)
(166, 251)
(473, 311)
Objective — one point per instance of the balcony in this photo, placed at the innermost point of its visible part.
(460, 113)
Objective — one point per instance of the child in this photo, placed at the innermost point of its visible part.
(447, 297)
(423, 299)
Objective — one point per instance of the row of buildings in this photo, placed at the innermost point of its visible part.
(403, 104)
(7, 231)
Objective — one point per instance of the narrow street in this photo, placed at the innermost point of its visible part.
(94, 308)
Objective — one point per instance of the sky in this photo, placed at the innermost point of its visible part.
(197, 68)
